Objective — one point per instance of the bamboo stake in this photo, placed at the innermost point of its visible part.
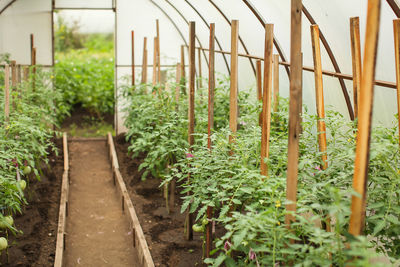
(294, 108)
(267, 92)
(356, 61)
(7, 93)
(144, 61)
(155, 61)
(133, 56)
(319, 94)
(276, 82)
(211, 88)
(364, 119)
(192, 68)
(233, 103)
(158, 52)
(396, 29)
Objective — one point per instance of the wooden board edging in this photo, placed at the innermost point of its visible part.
(62, 215)
(139, 239)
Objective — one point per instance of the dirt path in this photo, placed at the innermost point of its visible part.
(98, 234)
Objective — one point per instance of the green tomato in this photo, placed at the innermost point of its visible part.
(198, 228)
(7, 221)
(22, 184)
(204, 221)
(27, 170)
(3, 243)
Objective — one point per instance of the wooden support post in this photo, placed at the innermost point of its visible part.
(19, 73)
(7, 93)
(267, 93)
(133, 56)
(158, 52)
(13, 81)
(356, 61)
(319, 94)
(211, 88)
(200, 83)
(357, 217)
(183, 74)
(294, 108)
(396, 29)
(192, 69)
(32, 46)
(144, 61)
(276, 82)
(178, 86)
(26, 73)
(259, 87)
(155, 61)
(233, 102)
(34, 68)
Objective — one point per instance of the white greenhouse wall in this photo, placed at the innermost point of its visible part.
(18, 21)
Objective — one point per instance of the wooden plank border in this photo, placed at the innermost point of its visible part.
(139, 240)
(62, 215)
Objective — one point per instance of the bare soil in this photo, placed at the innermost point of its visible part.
(164, 232)
(38, 221)
(98, 233)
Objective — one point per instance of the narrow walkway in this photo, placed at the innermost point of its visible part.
(98, 234)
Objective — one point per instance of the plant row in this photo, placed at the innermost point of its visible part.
(250, 207)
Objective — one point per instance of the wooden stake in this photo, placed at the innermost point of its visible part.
(276, 82)
(259, 87)
(294, 108)
(7, 93)
(200, 83)
(133, 57)
(26, 74)
(356, 61)
(319, 94)
(192, 69)
(364, 118)
(34, 68)
(158, 52)
(178, 86)
(13, 74)
(144, 61)
(32, 46)
(396, 29)
(233, 103)
(211, 88)
(19, 73)
(267, 92)
(155, 61)
(183, 74)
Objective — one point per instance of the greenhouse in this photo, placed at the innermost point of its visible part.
(199, 133)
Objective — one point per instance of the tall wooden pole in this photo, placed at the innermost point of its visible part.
(155, 61)
(183, 73)
(233, 102)
(34, 68)
(295, 100)
(7, 92)
(178, 80)
(192, 69)
(319, 94)
(267, 93)
(276, 82)
(356, 61)
(211, 88)
(357, 218)
(396, 29)
(158, 52)
(133, 57)
(144, 61)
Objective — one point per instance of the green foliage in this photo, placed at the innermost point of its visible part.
(26, 139)
(251, 207)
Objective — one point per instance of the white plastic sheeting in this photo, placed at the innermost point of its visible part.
(18, 21)
(34, 16)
